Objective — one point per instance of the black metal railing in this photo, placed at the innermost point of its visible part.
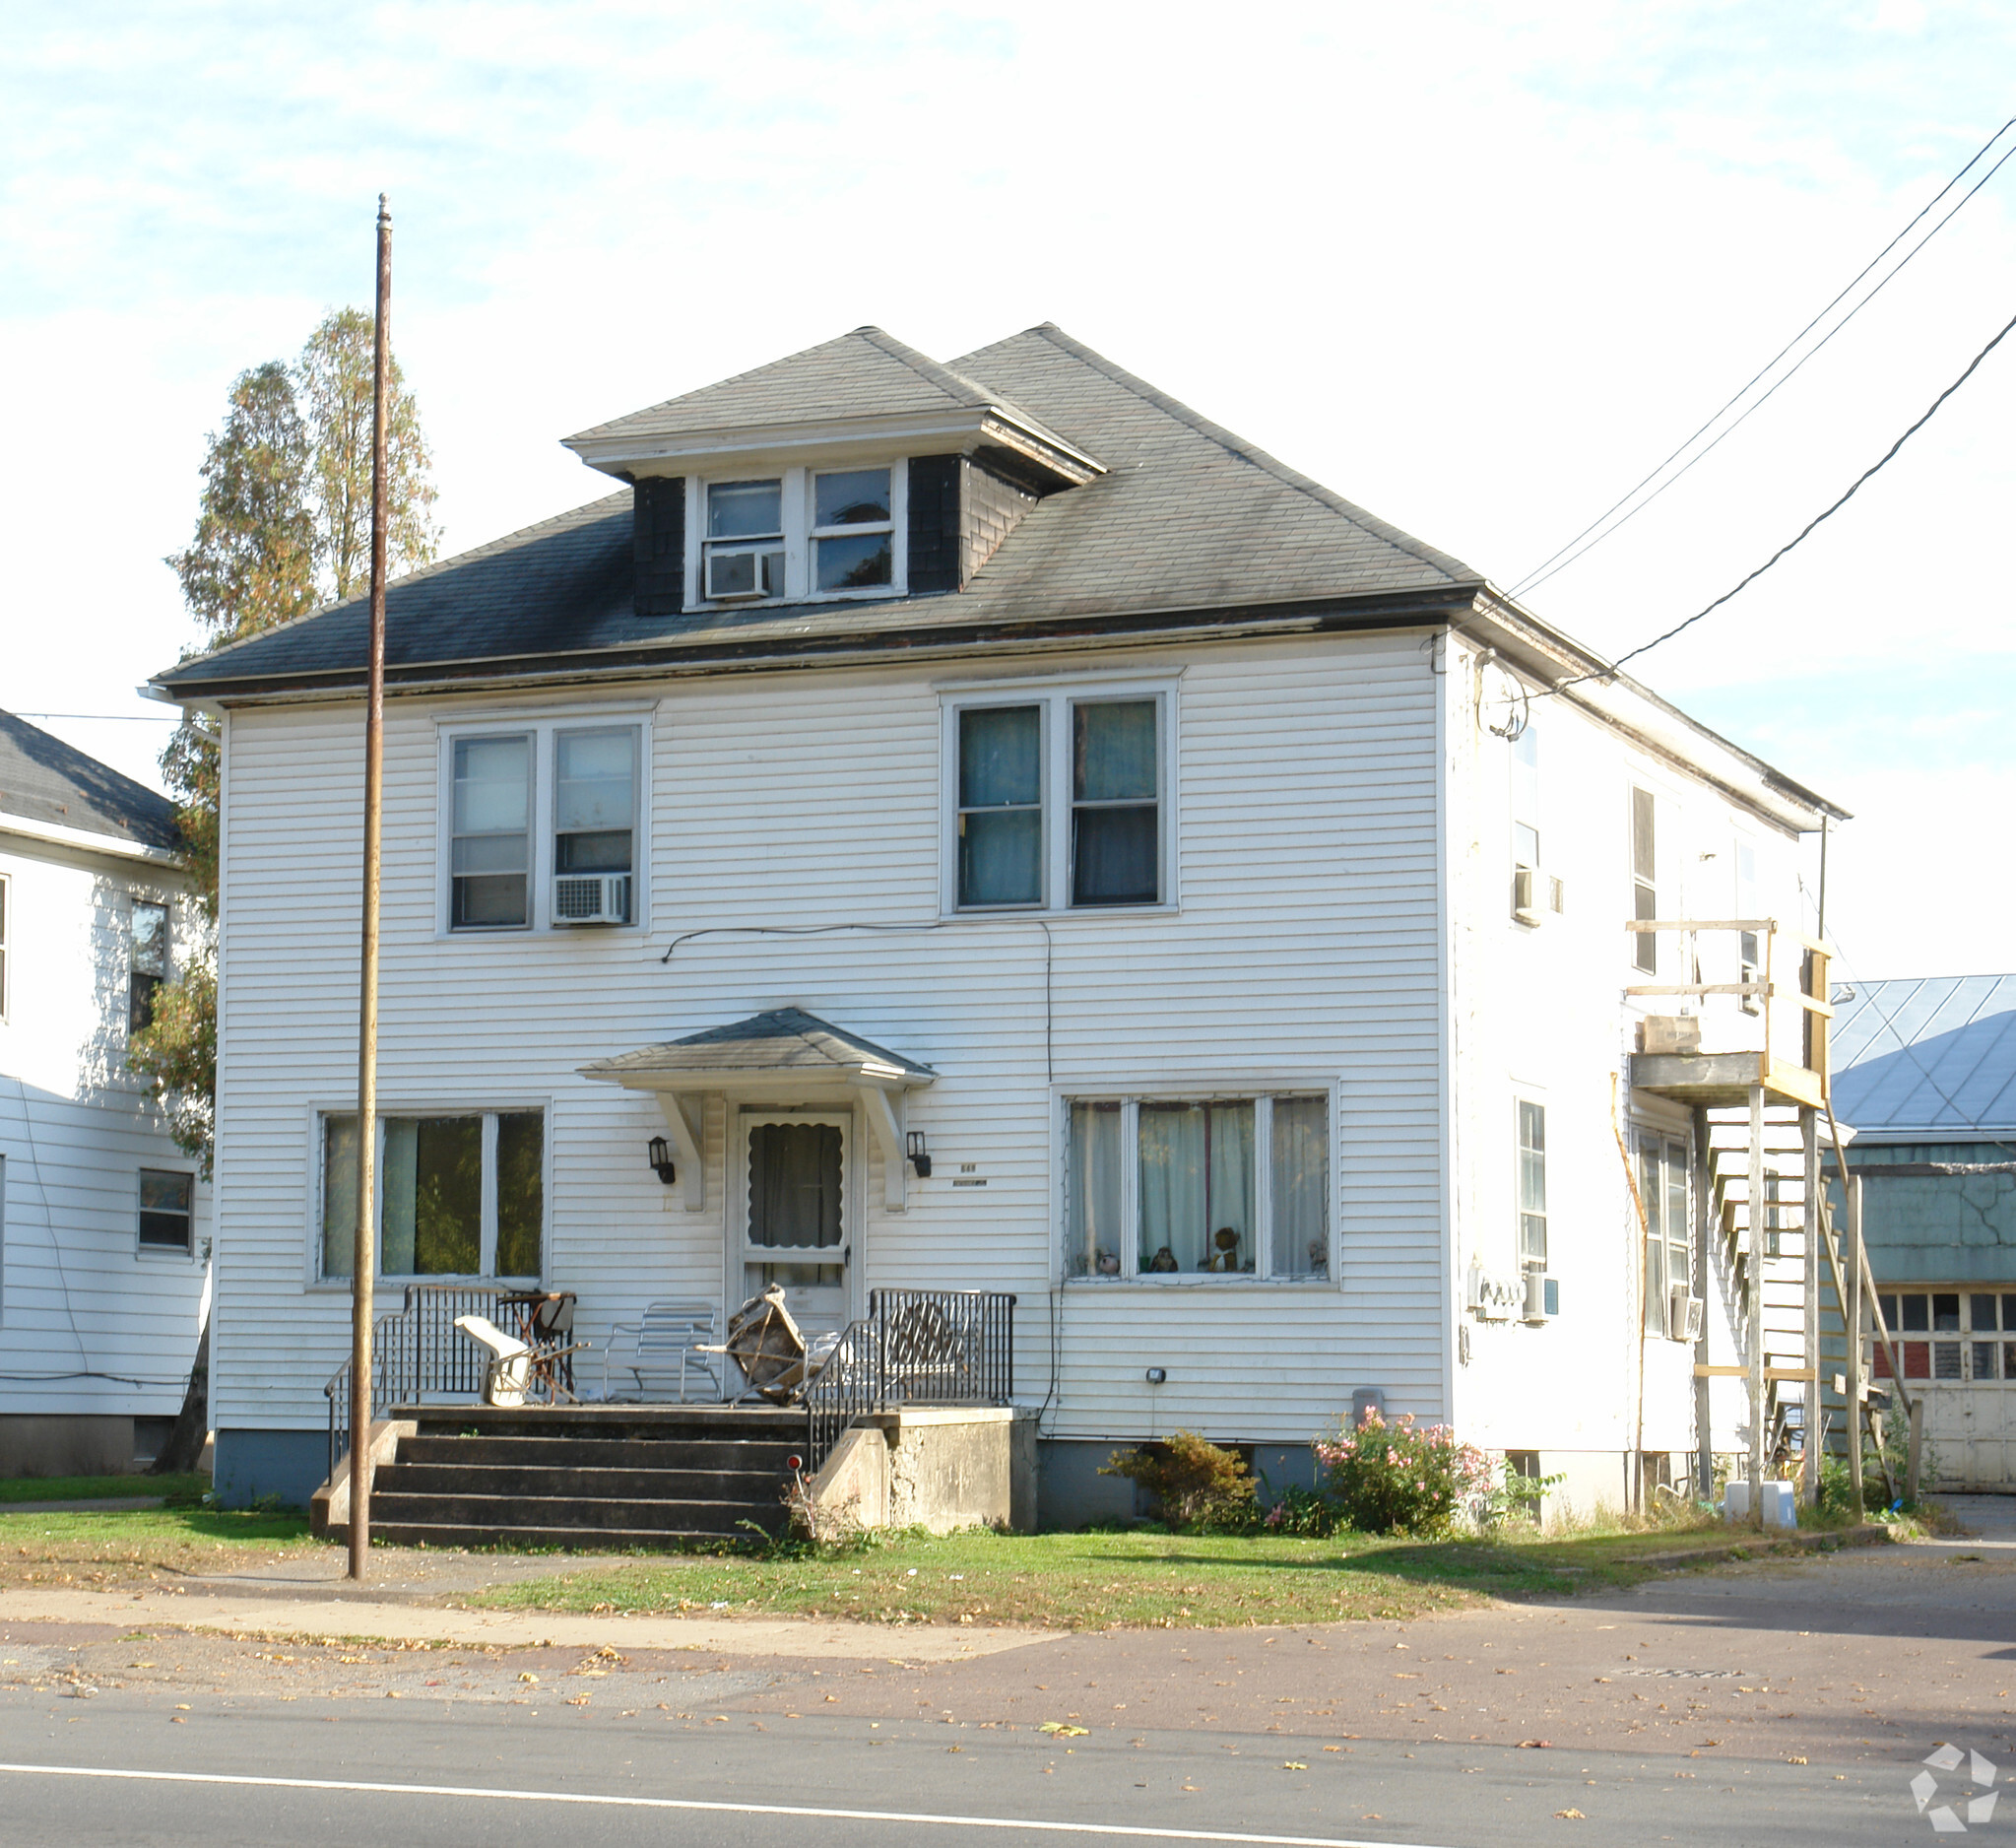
(914, 1346)
(418, 1354)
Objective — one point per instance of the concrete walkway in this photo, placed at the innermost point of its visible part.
(1987, 1520)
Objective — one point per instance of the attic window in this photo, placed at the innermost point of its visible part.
(803, 533)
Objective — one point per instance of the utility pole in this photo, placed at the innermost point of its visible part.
(360, 1304)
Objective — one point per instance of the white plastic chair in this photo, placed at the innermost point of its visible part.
(509, 1370)
(668, 1338)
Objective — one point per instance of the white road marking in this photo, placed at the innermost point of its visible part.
(806, 1811)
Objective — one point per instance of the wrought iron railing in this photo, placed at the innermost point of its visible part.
(417, 1354)
(914, 1346)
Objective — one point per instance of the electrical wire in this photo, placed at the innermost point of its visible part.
(1541, 572)
(1827, 513)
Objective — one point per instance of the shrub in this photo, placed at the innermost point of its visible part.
(1385, 1478)
(1302, 1513)
(1197, 1483)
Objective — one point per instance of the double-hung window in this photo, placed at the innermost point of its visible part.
(1059, 801)
(460, 1194)
(543, 826)
(1645, 903)
(149, 962)
(1174, 1187)
(1533, 1184)
(168, 1210)
(801, 533)
(1526, 798)
(1669, 1239)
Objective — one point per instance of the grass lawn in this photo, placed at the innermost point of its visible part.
(118, 1545)
(102, 1487)
(1079, 1581)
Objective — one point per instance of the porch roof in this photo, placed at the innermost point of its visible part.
(786, 1042)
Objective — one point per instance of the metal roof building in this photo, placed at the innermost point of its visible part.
(1926, 1059)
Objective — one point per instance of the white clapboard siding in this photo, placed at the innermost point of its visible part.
(1306, 950)
(89, 1322)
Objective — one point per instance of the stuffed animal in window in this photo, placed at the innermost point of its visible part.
(1226, 1250)
(1163, 1260)
(1107, 1263)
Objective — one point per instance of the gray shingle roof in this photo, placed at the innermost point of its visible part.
(1927, 1058)
(43, 779)
(786, 1039)
(864, 373)
(1188, 518)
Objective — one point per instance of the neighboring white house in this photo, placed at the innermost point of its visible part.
(1004, 757)
(104, 1223)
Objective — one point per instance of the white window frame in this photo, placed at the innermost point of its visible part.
(1523, 1099)
(1054, 700)
(141, 1247)
(490, 1111)
(6, 946)
(541, 727)
(1645, 953)
(1666, 1138)
(796, 504)
(1261, 1095)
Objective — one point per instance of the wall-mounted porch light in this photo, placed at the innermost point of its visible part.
(919, 1156)
(660, 1159)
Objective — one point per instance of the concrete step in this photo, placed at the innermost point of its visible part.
(604, 1453)
(587, 1519)
(448, 1534)
(608, 1422)
(563, 1484)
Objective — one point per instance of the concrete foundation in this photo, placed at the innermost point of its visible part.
(940, 1469)
(1071, 1494)
(76, 1444)
(250, 1466)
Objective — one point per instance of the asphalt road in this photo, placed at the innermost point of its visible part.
(447, 1774)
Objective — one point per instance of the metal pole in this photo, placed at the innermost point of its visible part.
(367, 998)
(1852, 1319)
(1754, 1308)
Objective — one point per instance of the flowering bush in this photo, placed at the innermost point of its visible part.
(1381, 1478)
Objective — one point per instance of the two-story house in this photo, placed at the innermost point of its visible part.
(1001, 764)
(104, 1223)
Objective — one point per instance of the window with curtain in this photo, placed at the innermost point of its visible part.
(595, 801)
(1115, 819)
(491, 850)
(460, 1195)
(795, 1204)
(1173, 1187)
(1001, 805)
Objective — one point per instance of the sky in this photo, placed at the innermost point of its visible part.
(1477, 266)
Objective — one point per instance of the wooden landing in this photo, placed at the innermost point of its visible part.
(1722, 1080)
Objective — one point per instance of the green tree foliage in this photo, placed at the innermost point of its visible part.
(283, 523)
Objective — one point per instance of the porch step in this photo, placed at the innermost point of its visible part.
(595, 1477)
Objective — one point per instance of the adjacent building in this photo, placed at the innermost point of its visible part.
(105, 1222)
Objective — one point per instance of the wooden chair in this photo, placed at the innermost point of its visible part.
(666, 1340)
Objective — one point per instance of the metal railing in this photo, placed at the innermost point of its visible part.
(914, 1346)
(417, 1354)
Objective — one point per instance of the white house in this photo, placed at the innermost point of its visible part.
(1225, 893)
(104, 1223)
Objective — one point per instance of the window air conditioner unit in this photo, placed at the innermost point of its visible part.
(1535, 893)
(1683, 1314)
(592, 899)
(1542, 1297)
(734, 576)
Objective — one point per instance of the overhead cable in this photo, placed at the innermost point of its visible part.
(1575, 548)
(1827, 513)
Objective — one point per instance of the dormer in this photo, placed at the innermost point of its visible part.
(857, 470)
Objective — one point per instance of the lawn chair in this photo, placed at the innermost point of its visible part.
(765, 1343)
(545, 1318)
(668, 1338)
(509, 1370)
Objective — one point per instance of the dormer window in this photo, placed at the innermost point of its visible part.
(853, 535)
(745, 554)
(800, 534)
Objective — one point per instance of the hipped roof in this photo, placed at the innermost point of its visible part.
(784, 1041)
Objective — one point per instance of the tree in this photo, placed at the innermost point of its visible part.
(284, 523)
(334, 381)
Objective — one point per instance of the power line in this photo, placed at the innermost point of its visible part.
(1541, 572)
(1854, 489)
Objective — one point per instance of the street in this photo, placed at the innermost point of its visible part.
(1783, 1704)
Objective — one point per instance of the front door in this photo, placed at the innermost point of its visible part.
(797, 1219)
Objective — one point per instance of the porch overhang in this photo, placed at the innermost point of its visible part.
(783, 1056)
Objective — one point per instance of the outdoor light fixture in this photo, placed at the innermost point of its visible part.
(1157, 1374)
(660, 1158)
(919, 1159)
